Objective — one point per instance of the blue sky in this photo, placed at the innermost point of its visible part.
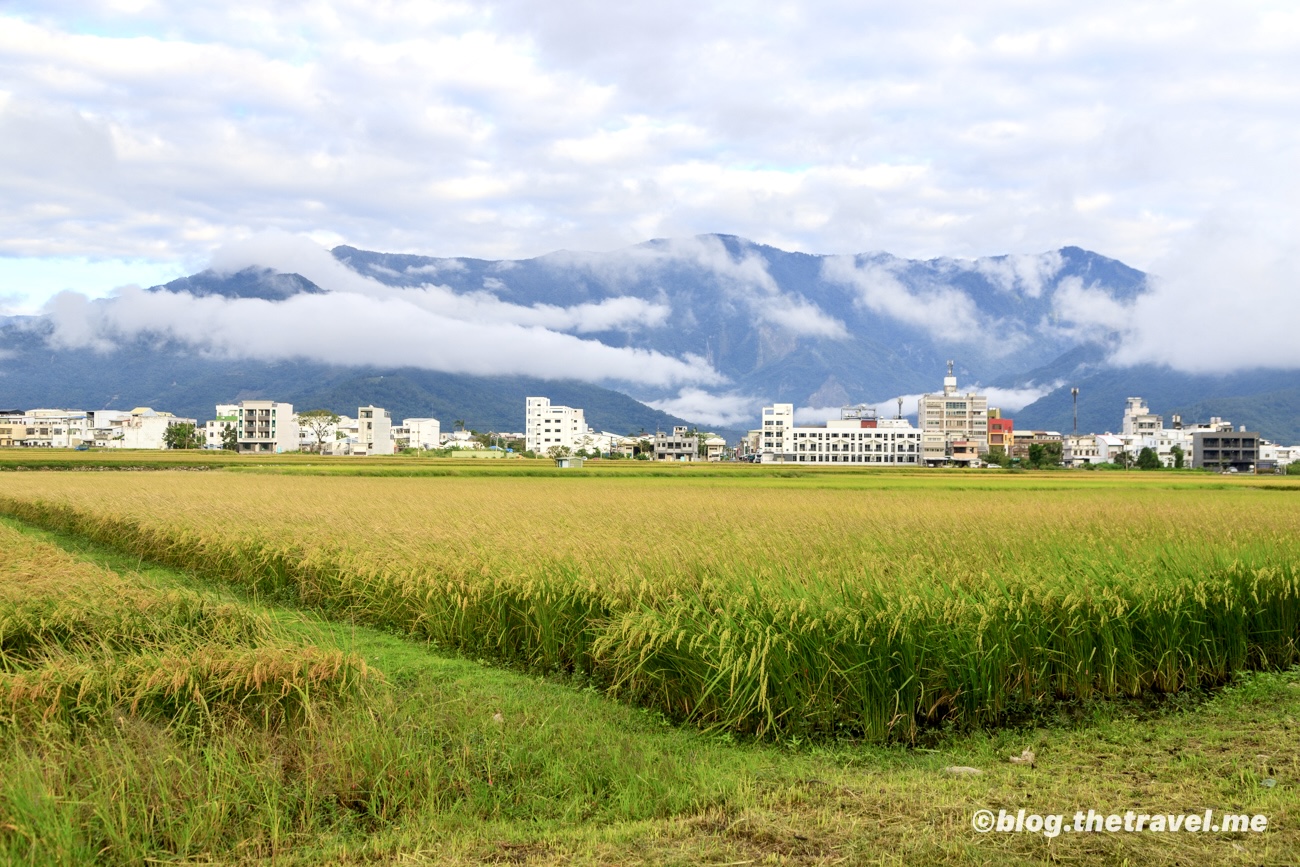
(137, 137)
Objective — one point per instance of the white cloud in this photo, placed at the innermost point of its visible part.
(727, 410)
(362, 321)
(744, 279)
(945, 312)
(1225, 301)
(1026, 273)
(138, 131)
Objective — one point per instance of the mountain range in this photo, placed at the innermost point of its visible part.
(702, 330)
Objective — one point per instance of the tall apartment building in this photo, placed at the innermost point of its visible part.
(776, 437)
(266, 427)
(547, 426)
(952, 424)
(374, 430)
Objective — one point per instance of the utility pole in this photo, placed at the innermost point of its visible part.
(1074, 392)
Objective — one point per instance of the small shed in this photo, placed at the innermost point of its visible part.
(567, 461)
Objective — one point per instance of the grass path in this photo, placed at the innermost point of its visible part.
(543, 771)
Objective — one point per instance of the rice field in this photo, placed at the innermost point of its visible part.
(867, 605)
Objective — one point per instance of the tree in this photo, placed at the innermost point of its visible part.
(230, 438)
(319, 422)
(1148, 459)
(1177, 451)
(459, 424)
(1037, 454)
(181, 435)
(557, 452)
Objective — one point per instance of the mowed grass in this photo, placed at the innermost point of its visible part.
(864, 605)
(440, 759)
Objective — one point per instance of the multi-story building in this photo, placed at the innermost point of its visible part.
(547, 427)
(12, 428)
(1080, 450)
(51, 428)
(776, 440)
(266, 427)
(1023, 439)
(1001, 432)
(680, 445)
(1139, 420)
(1233, 451)
(374, 431)
(951, 417)
(214, 430)
(141, 428)
(856, 437)
(423, 433)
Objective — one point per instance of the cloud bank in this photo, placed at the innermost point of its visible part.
(360, 321)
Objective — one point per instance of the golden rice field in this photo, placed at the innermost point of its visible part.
(861, 604)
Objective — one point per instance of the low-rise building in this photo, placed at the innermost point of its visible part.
(423, 433)
(856, 437)
(1079, 450)
(1229, 451)
(680, 445)
(214, 430)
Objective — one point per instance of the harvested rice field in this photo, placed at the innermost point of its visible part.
(452, 664)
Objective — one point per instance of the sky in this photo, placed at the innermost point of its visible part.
(138, 138)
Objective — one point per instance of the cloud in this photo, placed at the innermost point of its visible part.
(743, 278)
(944, 312)
(295, 254)
(359, 320)
(1224, 301)
(157, 131)
(1016, 399)
(728, 410)
(1025, 273)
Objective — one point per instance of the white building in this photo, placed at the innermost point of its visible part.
(53, 428)
(141, 428)
(214, 431)
(547, 427)
(1080, 450)
(954, 425)
(856, 437)
(423, 433)
(374, 431)
(266, 427)
(777, 434)
(1139, 420)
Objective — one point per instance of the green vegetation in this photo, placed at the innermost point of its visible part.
(428, 758)
(865, 605)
